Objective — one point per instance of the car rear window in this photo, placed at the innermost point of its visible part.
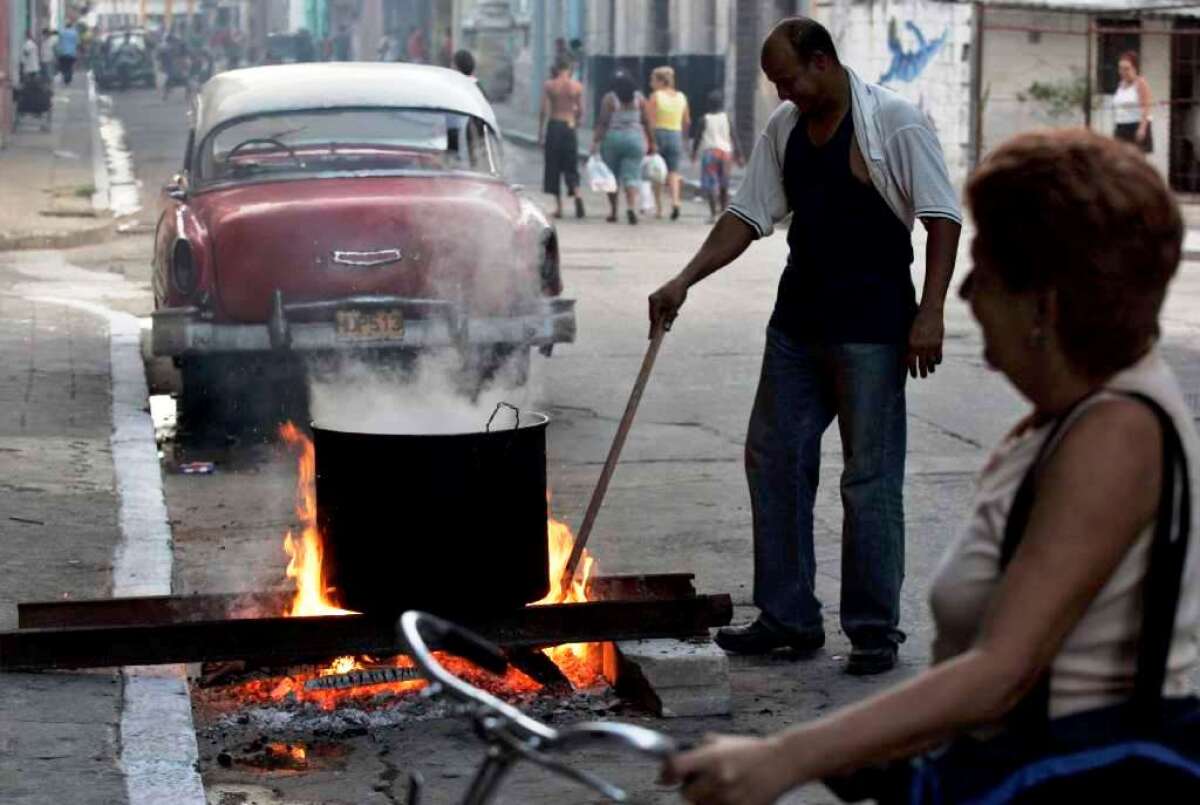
(349, 140)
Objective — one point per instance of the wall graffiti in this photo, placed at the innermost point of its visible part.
(909, 63)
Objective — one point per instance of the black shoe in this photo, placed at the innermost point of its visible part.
(631, 215)
(674, 213)
(579, 211)
(868, 661)
(759, 638)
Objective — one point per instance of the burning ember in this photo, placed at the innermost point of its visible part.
(579, 662)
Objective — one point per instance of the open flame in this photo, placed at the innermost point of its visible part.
(579, 662)
(305, 553)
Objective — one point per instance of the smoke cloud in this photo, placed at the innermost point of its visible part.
(437, 396)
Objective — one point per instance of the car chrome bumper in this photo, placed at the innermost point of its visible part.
(309, 326)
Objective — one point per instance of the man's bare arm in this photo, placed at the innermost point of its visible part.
(928, 330)
(725, 242)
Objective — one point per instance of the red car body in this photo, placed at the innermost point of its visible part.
(282, 244)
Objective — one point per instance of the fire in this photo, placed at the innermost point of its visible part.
(305, 553)
(579, 662)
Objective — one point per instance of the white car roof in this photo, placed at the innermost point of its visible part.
(333, 85)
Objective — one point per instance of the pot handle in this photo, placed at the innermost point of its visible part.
(516, 413)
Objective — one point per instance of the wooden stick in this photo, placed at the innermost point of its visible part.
(614, 454)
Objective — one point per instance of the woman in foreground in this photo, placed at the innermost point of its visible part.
(1077, 239)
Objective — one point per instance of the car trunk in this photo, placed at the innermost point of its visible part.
(328, 238)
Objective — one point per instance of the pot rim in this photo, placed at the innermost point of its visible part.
(528, 419)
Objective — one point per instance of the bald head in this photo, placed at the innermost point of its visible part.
(799, 58)
(800, 37)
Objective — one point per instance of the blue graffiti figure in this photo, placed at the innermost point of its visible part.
(907, 65)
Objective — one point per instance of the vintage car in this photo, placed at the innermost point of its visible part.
(349, 208)
(124, 59)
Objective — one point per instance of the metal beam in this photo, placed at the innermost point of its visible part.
(165, 609)
(278, 641)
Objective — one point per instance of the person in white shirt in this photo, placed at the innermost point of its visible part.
(49, 52)
(1131, 105)
(717, 149)
(31, 59)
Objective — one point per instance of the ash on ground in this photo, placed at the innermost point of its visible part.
(292, 720)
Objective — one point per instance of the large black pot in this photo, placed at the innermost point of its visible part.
(447, 522)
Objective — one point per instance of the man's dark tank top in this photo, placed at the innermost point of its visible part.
(847, 278)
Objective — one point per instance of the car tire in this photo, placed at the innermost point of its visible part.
(223, 396)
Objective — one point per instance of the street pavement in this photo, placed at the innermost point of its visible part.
(677, 502)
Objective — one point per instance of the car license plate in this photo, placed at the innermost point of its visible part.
(369, 325)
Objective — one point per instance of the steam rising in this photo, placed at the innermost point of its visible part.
(482, 251)
(436, 398)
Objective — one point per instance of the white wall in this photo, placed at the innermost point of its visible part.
(1014, 59)
(941, 87)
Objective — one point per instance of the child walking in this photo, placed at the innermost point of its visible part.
(718, 150)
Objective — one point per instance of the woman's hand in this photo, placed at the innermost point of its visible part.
(733, 770)
(1141, 133)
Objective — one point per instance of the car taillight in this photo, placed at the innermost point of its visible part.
(184, 275)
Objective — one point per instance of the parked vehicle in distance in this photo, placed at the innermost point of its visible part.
(282, 48)
(124, 59)
(360, 209)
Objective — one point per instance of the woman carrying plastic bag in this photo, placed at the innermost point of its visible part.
(623, 137)
(600, 178)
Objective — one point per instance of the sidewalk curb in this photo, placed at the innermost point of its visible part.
(101, 200)
(54, 241)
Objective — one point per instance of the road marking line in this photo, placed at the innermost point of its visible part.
(158, 738)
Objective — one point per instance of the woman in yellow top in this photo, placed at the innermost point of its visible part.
(668, 109)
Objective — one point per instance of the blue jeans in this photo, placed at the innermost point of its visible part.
(803, 387)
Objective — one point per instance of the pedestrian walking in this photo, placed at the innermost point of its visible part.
(415, 49)
(68, 50)
(343, 46)
(176, 63)
(558, 118)
(853, 164)
(623, 137)
(31, 59)
(1067, 611)
(387, 49)
(464, 62)
(48, 53)
(671, 117)
(578, 59)
(717, 150)
(1131, 105)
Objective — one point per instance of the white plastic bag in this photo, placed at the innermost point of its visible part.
(600, 178)
(654, 168)
(646, 197)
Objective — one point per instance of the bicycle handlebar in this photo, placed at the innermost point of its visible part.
(413, 628)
